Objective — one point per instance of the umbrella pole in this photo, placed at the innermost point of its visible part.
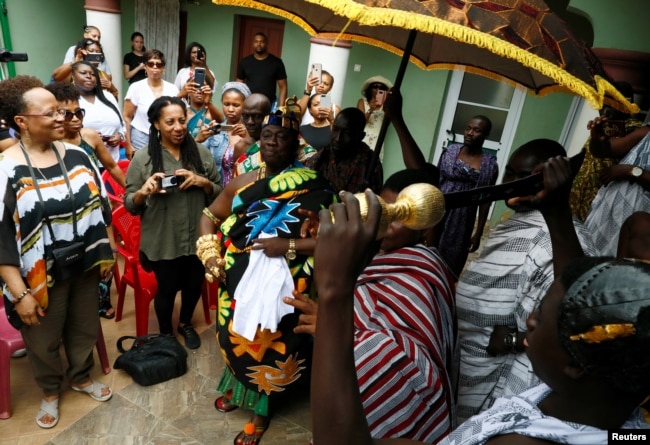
(384, 124)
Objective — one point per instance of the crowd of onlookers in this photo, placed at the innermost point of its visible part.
(544, 336)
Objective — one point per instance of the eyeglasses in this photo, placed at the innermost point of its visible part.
(255, 117)
(155, 64)
(79, 112)
(51, 114)
(379, 86)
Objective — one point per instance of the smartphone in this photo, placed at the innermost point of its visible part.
(614, 128)
(170, 181)
(199, 76)
(94, 57)
(317, 71)
(380, 97)
(325, 101)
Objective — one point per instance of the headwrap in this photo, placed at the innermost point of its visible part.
(604, 323)
(282, 119)
(239, 86)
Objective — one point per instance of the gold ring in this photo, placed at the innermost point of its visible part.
(208, 277)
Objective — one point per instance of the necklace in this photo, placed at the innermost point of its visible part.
(67, 193)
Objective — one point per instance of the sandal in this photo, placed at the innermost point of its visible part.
(252, 431)
(95, 390)
(223, 404)
(48, 409)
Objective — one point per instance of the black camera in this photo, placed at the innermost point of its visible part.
(170, 181)
(9, 56)
(94, 57)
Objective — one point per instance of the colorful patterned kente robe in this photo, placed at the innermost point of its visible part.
(272, 361)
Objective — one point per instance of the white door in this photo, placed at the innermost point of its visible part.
(469, 95)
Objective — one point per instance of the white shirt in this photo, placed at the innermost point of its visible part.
(141, 95)
(101, 118)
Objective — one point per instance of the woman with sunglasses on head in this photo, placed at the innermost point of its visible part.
(372, 106)
(139, 98)
(51, 205)
(102, 112)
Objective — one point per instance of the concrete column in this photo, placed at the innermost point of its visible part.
(333, 55)
(106, 15)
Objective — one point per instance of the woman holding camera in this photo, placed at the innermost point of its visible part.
(222, 143)
(51, 205)
(169, 184)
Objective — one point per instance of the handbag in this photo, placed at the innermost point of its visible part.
(153, 358)
(66, 256)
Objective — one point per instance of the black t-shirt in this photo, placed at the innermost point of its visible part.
(261, 75)
(133, 60)
(317, 137)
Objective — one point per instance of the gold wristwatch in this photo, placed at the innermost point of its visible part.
(291, 252)
(636, 171)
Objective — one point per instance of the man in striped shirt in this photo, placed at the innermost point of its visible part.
(498, 291)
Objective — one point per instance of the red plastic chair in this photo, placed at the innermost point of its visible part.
(127, 233)
(10, 342)
(114, 190)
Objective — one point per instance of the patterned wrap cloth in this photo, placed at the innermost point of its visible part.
(272, 361)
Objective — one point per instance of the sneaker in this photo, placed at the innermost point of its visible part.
(192, 339)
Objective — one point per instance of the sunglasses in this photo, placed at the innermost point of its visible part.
(79, 112)
(379, 86)
(155, 64)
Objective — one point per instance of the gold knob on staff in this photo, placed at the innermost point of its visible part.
(418, 206)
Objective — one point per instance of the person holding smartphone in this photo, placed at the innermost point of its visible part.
(195, 57)
(374, 92)
(90, 51)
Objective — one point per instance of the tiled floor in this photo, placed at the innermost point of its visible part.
(179, 411)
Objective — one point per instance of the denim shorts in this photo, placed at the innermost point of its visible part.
(139, 139)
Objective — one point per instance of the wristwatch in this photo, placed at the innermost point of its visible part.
(636, 171)
(291, 252)
(307, 92)
(510, 340)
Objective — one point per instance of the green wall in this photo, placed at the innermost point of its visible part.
(621, 24)
(44, 30)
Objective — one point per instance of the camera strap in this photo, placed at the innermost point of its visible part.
(40, 197)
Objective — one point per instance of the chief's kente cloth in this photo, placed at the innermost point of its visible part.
(272, 360)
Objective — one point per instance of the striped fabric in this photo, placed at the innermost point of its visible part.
(405, 338)
(502, 288)
(616, 201)
(29, 230)
(521, 415)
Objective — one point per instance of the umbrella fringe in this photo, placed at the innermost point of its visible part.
(595, 95)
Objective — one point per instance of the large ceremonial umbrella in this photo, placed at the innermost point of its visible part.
(517, 41)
